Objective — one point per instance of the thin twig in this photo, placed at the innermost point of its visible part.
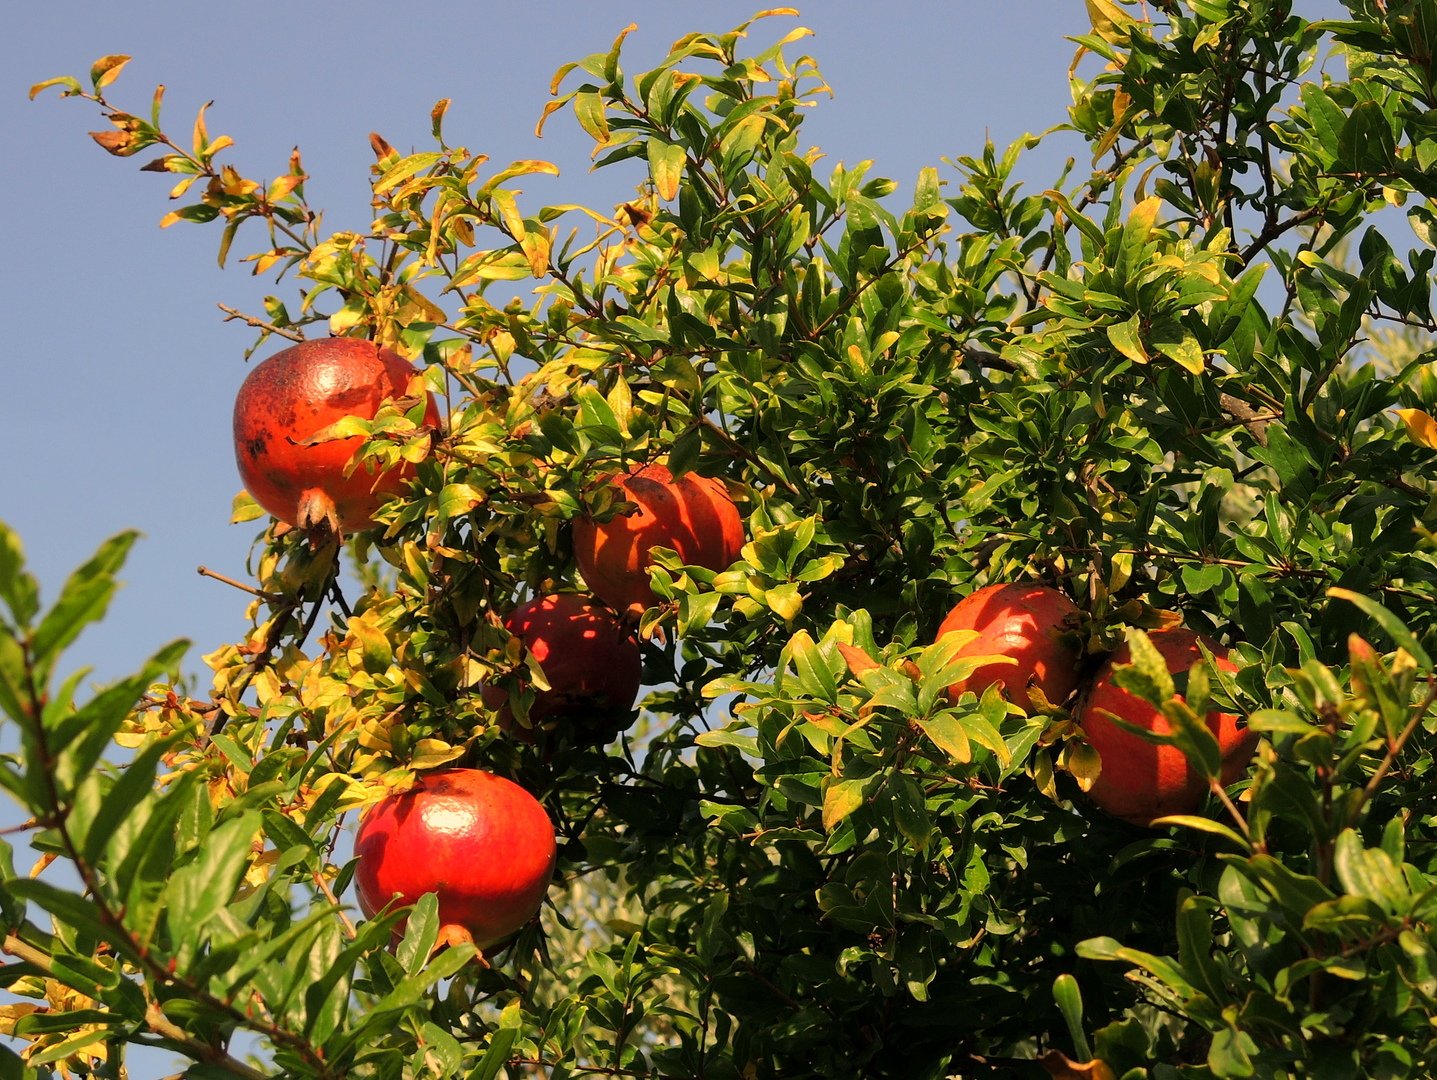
(259, 324)
(267, 597)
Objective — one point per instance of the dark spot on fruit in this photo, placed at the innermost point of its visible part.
(347, 399)
(255, 445)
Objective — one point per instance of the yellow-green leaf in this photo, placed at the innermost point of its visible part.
(949, 736)
(1110, 22)
(784, 600)
(666, 166)
(589, 108)
(1124, 338)
(69, 82)
(107, 69)
(244, 508)
(841, 798)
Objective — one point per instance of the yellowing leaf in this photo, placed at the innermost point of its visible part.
(842, 798)
(666, 166)
(1110, 22)
(107, 69)
(1124, 338)
(1083, 762)
(431, 753)
(1421, 428)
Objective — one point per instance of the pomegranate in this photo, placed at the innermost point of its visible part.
(590, 659)
(1140, 780)
(300, 391)
(1024, 621)
(481, 843)
(693, 515)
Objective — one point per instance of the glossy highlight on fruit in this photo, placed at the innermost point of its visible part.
(482, 844)
(1024, 621)
(1141, 781)
(591, 661)
(292, 395)
(693, 515)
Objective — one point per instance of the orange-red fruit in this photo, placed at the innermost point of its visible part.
(480, 842)
(1024, 621)
(1140, 780)
(590, 659)
(694, 515)
(298, 392)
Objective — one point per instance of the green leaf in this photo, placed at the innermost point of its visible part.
(1366, 144)
(589, 109)
(68, 908)
(1371, 873)
(17, 588)
(421, 931)
(1069, 999)
(740, 142)
(814, 675)
(1148, 676)
(83, 600)
(199, 889)
(117, 804)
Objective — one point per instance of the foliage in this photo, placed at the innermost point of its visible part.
(1152, 385)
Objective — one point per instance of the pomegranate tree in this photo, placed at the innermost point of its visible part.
(292, 395)
(694, 515)
(1025, 622)
(1141, 781)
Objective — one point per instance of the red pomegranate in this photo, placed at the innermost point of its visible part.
(1024, 621)
(1140, 780)
(300, 391)
(590, 659)
(480, 842)
(693, 515)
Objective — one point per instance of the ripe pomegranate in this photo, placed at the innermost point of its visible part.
(1024, 621)
(300, 391)
(590, 659)
(480, 842)
(693, 515)
(1140, 780)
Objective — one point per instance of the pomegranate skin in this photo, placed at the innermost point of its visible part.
(480, 842)
(694, 515)
(591, 660)
(1023, 621)
(294, 394)
(1141, 781)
